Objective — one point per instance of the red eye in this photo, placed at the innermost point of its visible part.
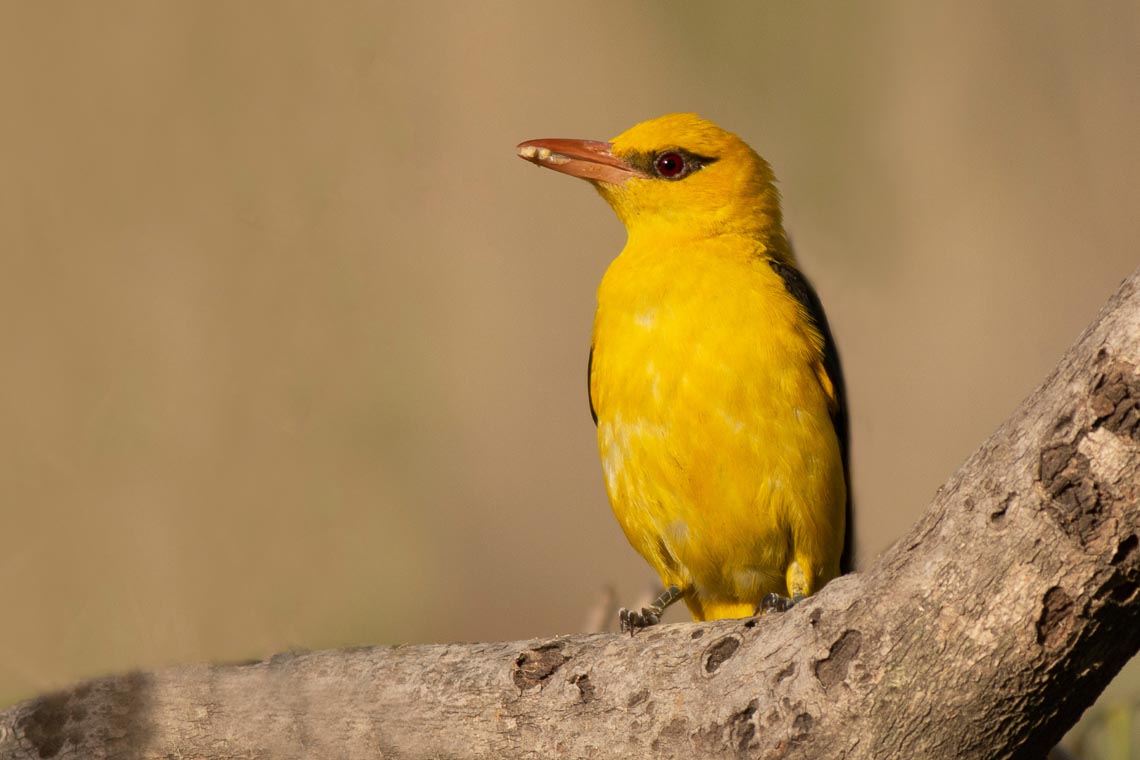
(669, 165)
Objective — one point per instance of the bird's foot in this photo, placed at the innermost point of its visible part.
(630, 620)
(775, 603)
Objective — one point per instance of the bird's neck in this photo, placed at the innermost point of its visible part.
(753, 216)
(763, 236)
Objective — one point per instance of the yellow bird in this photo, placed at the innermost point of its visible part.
(713, 379)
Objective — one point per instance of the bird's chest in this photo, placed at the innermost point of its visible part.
(674, 343)
(696, 368)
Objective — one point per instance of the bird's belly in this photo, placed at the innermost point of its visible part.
(704, 499)
(719, 457)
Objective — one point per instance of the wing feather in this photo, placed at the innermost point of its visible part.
(799, 288)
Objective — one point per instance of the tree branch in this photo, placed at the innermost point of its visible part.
(985, 632)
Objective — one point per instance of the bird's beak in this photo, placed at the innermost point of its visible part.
(587, 159)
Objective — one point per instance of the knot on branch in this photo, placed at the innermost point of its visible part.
(534, 666)
(742, 727)
(833, 668)
(1071, 472)
(1115, 400)
(719, 652)
(1056, 618)
(1074, 494)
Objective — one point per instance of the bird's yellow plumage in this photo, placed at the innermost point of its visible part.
(715, 396)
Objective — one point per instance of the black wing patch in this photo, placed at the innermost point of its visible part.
(800, 289)
(589, 380)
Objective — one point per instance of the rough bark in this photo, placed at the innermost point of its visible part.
(983, 633)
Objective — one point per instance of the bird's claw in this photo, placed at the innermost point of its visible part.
(775, 603)
(630, 620)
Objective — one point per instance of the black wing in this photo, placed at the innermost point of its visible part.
(800, 289)
(589, 375)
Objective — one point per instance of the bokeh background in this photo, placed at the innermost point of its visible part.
(293, 346)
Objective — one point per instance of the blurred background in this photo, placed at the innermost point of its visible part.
(294, 347)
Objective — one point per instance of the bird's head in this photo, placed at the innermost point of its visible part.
(677, 174)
